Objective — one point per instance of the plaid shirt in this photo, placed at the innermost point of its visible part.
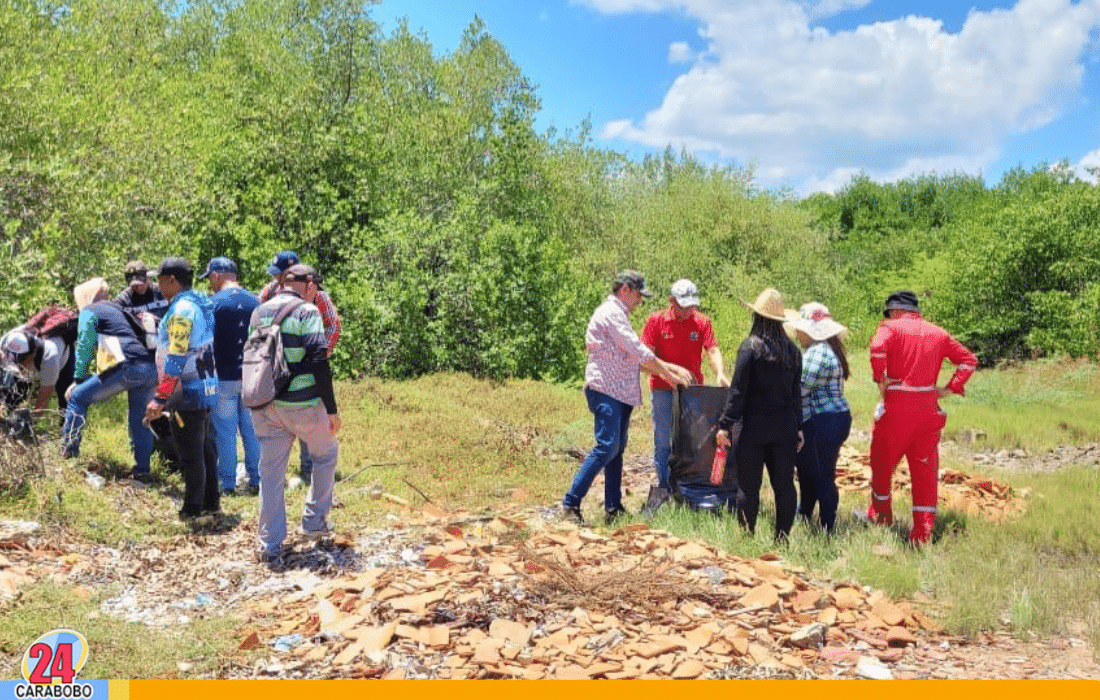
(615, 353)
(822, 382)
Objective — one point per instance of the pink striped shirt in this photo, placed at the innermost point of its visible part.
(615, 353)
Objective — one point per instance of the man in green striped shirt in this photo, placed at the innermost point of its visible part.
(305, 410)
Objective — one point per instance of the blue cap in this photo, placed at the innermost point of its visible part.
(282, 261)
(219, 265)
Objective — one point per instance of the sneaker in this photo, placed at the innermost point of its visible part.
(572, 514)
(253, 490)
(229, 492)
(269, 556)
(615, 514)
(319, 534)
(189, 515)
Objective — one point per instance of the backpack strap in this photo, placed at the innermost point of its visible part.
(286, 311)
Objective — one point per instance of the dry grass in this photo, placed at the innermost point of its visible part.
(637, 590)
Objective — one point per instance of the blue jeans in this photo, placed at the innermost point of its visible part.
(136, 377)
(230, 416)
(661, 400)
(662, 403)
(824, 434)
(611, 424)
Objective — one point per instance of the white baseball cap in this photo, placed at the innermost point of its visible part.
(685, 293)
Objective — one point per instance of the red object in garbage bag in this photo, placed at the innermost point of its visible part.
(718, 467)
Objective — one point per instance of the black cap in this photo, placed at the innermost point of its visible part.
(902, 300)
(632, 279)
(177, 267)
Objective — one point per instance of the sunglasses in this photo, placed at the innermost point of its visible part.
(131, 276)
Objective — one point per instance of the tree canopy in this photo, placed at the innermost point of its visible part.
(452, 234)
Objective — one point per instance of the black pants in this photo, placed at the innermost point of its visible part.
(199, 457)
(779, 458)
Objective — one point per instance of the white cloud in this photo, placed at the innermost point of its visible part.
(803, 102)
(680, 52)
(1089, 160)
(829, 8)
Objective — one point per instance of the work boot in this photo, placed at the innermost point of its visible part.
(923, 525)
(880, 512)
(572, 514)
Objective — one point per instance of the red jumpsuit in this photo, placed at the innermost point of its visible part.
(907, 353)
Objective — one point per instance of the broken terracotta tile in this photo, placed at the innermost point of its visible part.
(516, 633)
(689, 668)
(847, 598)
(487, 651)
(763, 596)
(890, 613)
(252, 641)
(899, 637)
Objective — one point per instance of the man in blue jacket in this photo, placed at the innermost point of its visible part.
(188, 385)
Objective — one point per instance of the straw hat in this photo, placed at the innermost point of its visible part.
(769, 305)
(87, 292)
(814, 320)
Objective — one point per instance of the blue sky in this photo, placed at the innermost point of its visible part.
(806, 92)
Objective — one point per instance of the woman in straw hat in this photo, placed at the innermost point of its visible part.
(826, 418)
(763, 414)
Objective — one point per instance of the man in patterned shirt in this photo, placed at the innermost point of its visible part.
(907, 353)
(188, 385)
(613, 389)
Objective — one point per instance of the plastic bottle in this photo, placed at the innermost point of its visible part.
(718, 467)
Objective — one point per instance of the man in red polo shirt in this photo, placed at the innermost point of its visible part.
(679, 334)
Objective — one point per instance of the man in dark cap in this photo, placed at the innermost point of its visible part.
(187, 384)
(611, 386)
(305, 410)
(282, 262)
(140, 294)
(907, 353)
(233, 307)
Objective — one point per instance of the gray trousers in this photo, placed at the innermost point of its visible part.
(276, 427)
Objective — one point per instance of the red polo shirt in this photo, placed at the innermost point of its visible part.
(679, 342)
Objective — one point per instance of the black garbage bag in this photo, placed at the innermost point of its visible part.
(164, 443)
(695, 414)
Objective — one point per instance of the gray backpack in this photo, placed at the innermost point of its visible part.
(265, 373)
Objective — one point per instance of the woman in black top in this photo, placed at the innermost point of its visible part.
(763, 413)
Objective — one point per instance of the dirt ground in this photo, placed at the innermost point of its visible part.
(522, 594)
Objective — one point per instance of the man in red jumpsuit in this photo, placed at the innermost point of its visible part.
(906, 355)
